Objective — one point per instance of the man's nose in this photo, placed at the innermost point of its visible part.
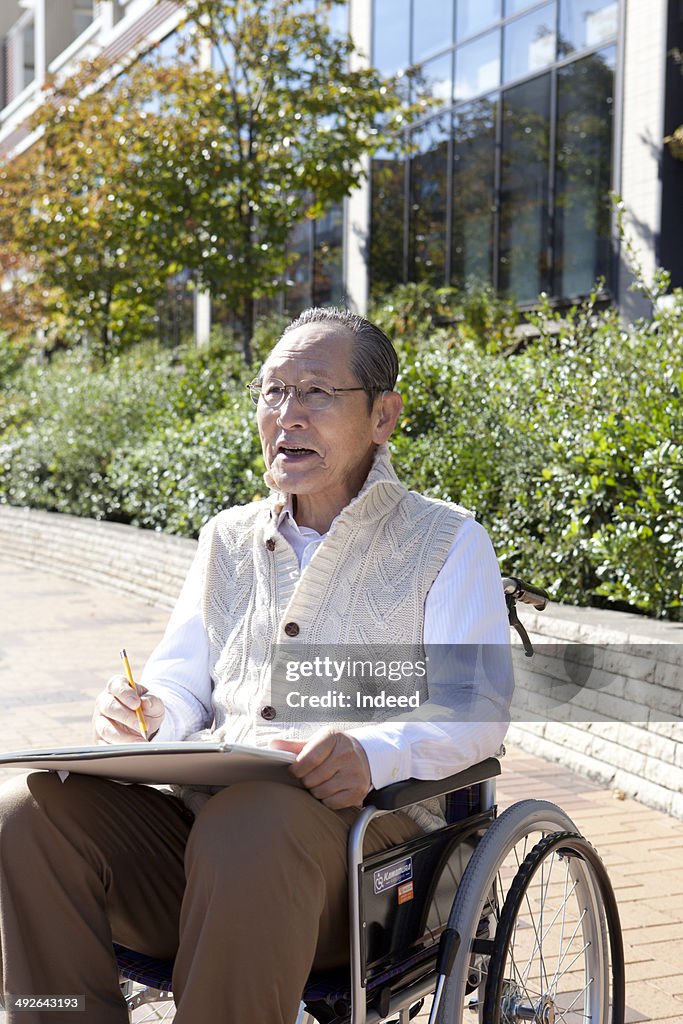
(292, 412)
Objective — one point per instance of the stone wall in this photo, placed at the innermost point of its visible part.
(603, 694)
(149, 565)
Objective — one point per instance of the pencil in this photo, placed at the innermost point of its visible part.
(129, 677)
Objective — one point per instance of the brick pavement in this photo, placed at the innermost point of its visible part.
(59, 642)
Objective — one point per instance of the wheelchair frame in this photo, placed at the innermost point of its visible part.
(507, 882)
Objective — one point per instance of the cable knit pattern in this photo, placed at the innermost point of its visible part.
(366, 584)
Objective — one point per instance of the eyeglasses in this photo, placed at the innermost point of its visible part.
(312, 395)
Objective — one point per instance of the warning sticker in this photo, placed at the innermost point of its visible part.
(405, 892)
(393, 874)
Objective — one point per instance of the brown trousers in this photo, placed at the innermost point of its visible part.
(248, 897)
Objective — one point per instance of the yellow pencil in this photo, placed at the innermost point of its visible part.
(129, 677)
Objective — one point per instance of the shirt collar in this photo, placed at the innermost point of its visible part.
(286, 515)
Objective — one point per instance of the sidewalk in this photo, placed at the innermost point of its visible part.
(60, 641)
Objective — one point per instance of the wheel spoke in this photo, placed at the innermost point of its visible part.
(578, 995)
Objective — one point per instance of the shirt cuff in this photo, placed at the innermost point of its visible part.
(178, 722)
(388, 763)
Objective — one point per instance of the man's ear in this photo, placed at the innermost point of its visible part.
(385, 413)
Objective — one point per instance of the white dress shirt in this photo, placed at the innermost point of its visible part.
(465, 606)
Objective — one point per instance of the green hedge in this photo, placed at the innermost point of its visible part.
(570, 450)
(153, 439)
(569, 446)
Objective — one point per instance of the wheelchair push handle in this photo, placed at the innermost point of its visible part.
(525, 592)
(516, 589)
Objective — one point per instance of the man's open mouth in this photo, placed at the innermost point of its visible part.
(292, 451)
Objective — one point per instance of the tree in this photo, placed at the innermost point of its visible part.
(81, 254)
(209, 169)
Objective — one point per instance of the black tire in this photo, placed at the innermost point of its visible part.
(558, 953)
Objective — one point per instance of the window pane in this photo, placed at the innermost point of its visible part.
(475, 15)
(432, 27)
(29, 48)
(515, 6)
(338, 20)
(387, 213)
(327, 257)
(524, 189)
(477, 66)
(298, 294)
(587, 23)
(428, 198)
(435, 78)
(391, 35)
(584, 154)
(83, 14)
(474, 152)
(529, 43)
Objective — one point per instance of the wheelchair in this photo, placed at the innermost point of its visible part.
(493, 919)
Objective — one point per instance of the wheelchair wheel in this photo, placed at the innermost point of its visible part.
(480, 898)
(557, 953)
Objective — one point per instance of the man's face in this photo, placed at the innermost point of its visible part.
(321, 456)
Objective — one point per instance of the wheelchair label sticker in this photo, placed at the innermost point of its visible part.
(405, 892)
(393, 874)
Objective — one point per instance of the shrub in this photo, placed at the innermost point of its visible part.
(420, 313)
(70, 424)
(183, 475)
(569, 451)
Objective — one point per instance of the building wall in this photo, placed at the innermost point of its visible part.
(117, 29)
(357, 206)
(638, 178)
(638, 102)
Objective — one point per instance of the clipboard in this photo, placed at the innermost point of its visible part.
(183, 764)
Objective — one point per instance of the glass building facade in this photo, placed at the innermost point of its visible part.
(508, 180)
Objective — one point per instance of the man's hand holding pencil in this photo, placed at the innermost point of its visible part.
(125, 711)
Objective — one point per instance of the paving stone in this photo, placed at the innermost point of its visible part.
(639, 914)
(651, 970)
(78, 630)
(654, 933)
(646, 998)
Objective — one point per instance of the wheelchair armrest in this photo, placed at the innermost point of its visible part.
(412, 791)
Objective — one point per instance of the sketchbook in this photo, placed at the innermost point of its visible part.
(184, 764)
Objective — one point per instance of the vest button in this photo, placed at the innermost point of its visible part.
(268, 713)
(270, 544)
(292, 629)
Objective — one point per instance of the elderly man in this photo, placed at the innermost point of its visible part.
(246, 886)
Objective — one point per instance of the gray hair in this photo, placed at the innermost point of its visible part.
(373, 361)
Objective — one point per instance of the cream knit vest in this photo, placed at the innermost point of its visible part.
(366, 584)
